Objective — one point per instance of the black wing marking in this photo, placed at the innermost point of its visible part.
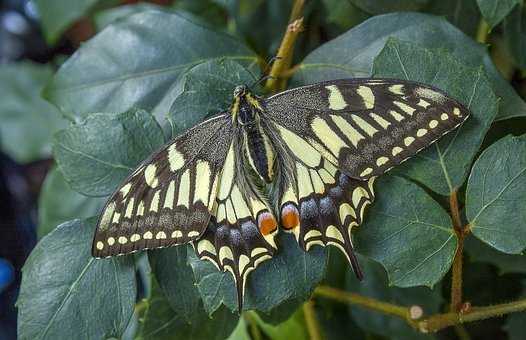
(367, 126)
(168, 199)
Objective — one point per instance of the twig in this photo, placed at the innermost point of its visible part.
(456, 271)
(482, 31)
(409, 314)
(313, 326)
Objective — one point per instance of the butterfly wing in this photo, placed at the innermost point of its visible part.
(367, 126)
(334, 138)
(242, 229)
(169, 198)
(316, 201)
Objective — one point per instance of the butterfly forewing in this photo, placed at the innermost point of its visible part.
(366, 126)
(169, 198)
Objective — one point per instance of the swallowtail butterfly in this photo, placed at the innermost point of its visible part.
(303, 161)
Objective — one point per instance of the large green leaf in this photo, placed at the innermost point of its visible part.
(28, 121)
(375, 285)
(161, 322)
(479, 251)
(464, 14)
(352, 54)
(96, 154)
(67, 294)
(514, 27)
(136, 62)
(291, 275)
(176, 279)
(496, 195)
(408, 233)
(445, 165)
(58, 203)
(386, 6)
(106, 17)
(516, 321)
(292, 328)
(57, 15)
(206, 89)
(494, 11)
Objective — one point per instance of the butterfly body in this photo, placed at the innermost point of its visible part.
(303, 161)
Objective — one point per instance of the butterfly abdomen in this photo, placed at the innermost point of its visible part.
(259, 152)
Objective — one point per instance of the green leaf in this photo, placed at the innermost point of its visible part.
(176, 279)
(343, 13)
(206, 89)
(464, 14)
(136, 62)
(240, 332)
(28, 121)
(106, 17)
(58, 203)
(494, 11)
(386, 6)
(408, 233)
(293, 328)
(98, 153)
(375, 286)
(67, 294)
(496, 195)
(291, 275)
(444, 166)
(514, 27)
(352, 53)
(480, 252)
(57, 15)
(161, 322)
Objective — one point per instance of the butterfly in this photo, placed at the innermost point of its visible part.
(303, 161)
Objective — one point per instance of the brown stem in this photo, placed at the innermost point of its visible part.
(456, 271)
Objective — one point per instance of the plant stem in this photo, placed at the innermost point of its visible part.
(456, 271)
(313, 326)
(437, 322)
(253, 324)
(369, 303)
(482, 31)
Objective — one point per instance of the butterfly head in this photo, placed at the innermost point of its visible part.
(246, 107)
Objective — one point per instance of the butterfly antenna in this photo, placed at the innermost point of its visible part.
(265, 75)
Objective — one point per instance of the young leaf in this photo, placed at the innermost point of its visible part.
(291, 274)
(408, 233)
(206, 89)
(58, 203)
(445, 165)
(96, 154)
(375, 285)
(56, 15)
(352, 53)
(136, 63)
(292, 328)
(494, 11)
(161, 322)
(28, 121)
(67, 294)
(496, 195)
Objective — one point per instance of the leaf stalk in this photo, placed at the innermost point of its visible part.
(313, 327)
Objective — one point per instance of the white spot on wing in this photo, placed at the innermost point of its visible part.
(336, 101)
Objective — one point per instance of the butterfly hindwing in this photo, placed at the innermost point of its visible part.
(242, 229)
(318, 203)
(169, 198)
(367, 126)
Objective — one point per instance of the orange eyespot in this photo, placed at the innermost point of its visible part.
(267, 223)
(289, 217)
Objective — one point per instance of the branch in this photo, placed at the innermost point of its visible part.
(414, 315)
(313, 326)
(409, 314)
(482, 31)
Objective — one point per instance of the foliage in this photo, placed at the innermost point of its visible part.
(151, 72)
